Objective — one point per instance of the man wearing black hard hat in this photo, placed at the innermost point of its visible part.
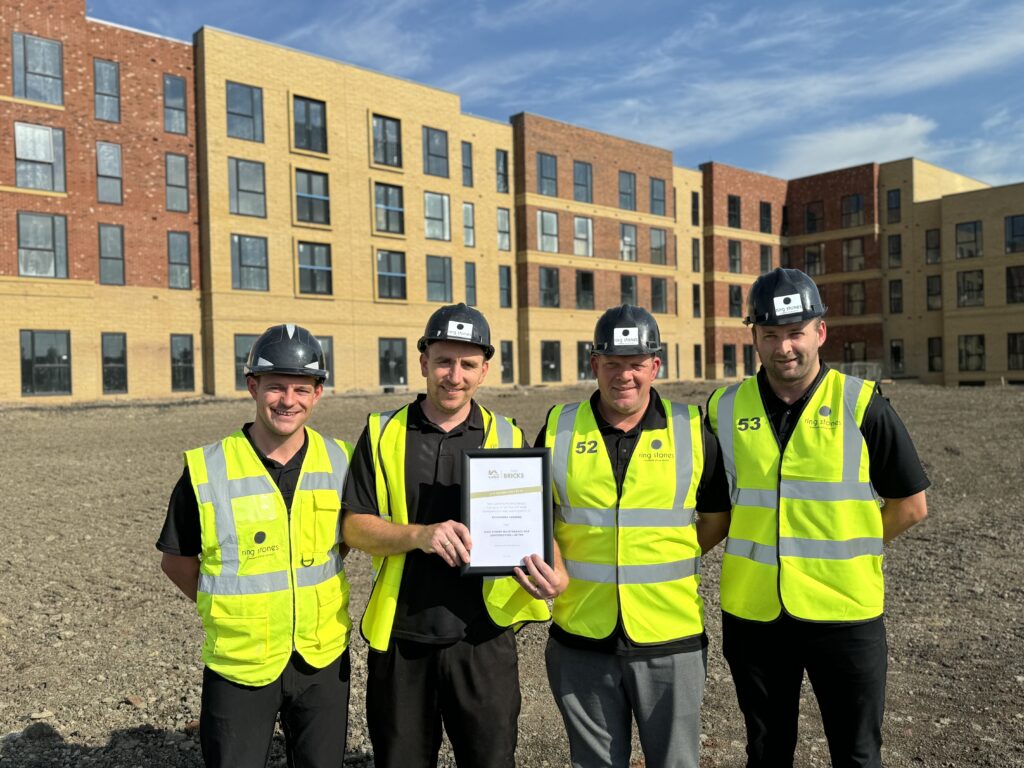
(251, 536)
(443, 649)
(807, 452)
(630, 472)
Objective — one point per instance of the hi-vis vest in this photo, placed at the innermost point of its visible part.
(636, 555)
(269, 581)
(508, 605)
(806, 531)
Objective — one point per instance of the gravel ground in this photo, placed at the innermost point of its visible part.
(100, 655)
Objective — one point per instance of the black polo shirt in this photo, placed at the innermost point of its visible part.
(181, 532)
(712, 496)
(436, 604)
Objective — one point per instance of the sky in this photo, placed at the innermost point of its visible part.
(786, 88)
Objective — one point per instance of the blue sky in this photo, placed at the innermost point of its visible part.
(787, 88)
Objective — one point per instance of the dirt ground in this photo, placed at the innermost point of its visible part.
(100, 656)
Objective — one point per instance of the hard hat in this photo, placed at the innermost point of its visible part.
(626, 330)
(783, 296)
(457, 322)
(288, 349)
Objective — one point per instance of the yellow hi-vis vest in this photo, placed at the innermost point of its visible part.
(806, 532)
(270, 581)
(636, 555)
(508, 605)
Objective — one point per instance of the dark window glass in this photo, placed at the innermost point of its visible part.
(627, 289)
(855, 351)
(932, 246)
(108, 173)
(627, 242)
(312, 197)
(507, 363)
(106, 78)
(547, 174)
(582, 236)
(785, 260)
(42, 245)
(663, 357)
(895, 250)
(111, 254)
(696, 300)
(814, 217)
(784, 227)
(695, 209)
(547, 231)
(896, 366)
(1015, 285)
(501, 169)
(392, 362)
(854, 299)
(658, 250)
(504, 230)
(310, 124)
(853, 254)
(766, 259)
(439, 278)
(658, 197)
(698, 361)
(468, 225)
(659, 295)
(893, 206)
(1015, 351)
(247, 188)
(896, 296)
(471, 283)
(729, 360)
(436, 216)
(38, 69)
(935, 353)
(243, 343)
(971, 349)
(245, 111)
(504, 286)
(550, 361)
(970, 288)
(549, 293)
(174, 104)
(249, 263)
(179, 262)
(114, 351)
(435, 152)
(735, 301)
(39, 157)
(748, 359)
(968, 240)
(584, 371)
(627, 191)
(735, 256)
(582, 182)
(933, 289)
(584, 290)
(853, 210)
(45, 362)
(467, 164)
(389, 207)
(176, 176)
(734, 210)
(182, 363)
(1014, 233)
(391, 274)
(813, 263)
(315, 269)
(387, 141)
(766, 216)
(695, 254)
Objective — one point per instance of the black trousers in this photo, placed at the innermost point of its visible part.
(472, 689)
(846, 664)
(236, 723)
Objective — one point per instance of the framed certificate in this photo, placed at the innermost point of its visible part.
(506, 504)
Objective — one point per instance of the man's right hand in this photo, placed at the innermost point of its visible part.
(450, 540)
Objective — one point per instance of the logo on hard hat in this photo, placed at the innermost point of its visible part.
(626, 337)
(460, 330)
(790, 304)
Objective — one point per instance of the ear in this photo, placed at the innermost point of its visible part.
(252, 383)
(423, 364)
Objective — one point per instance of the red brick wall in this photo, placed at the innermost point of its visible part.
(607, 287)
(830, 188)
(720, 181)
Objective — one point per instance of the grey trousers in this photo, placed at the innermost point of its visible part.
(599, 694)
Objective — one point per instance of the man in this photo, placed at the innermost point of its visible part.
(442, 645)
(806, 450)
(252, 536)
(629, 471)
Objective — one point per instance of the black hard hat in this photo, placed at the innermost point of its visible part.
(457, 322)
(288, 349)
(626, 330)
(783, 296)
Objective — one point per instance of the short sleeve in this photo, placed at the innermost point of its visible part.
(360, 492)
(182, 533)
(896, 469)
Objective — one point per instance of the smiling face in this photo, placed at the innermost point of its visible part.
(453, 370)
(625, 381)
(789, 352)
(283, 403)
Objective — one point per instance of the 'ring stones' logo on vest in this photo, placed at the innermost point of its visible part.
(824, 419)
(261, 549)
(655, 453)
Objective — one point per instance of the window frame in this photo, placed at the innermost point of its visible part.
(109, 178)
(470, 281)
(391, 283)
(894, 246)
(659, 255)
(734, 211)
(389, 208)
(104, 97)
(307, 135)
(766, 217)
(893, 206)
(548, 287)
(441, 288)
(735, 253)
(26, 163)
(896, 297)
(933, 299)
(627, 191)
(627, 242)
(319, 277)
(467, 164)
(171, 263)
(547, 174)
(658, 200)
(501, 184)
(814, 217)
(1015, 284)
(110, 369)
(585, 295)
(172, 112)
(659, 288)
(854, 306)
(504, 229)
(312, 207)
(246, 340)
(115, 261)
(444, 221)
(434, 162)
(550, 361)
(547, 231)
(767, 258)
(582, 181)
(976, 249)
(970, 295)
(62, 366)
(22, 77)
(504, 286)
(629, 290)
(240, 269)
(933, 250)
(387, 150)
(507, 361)
(254, 118)
(400, 370)
(852, 260)
(468, 225)
(935, 354)
(1013, 233)
(736, 301)
(852, 210)
(181, 369)
(171, 187)
(965, 355)
(58, 240)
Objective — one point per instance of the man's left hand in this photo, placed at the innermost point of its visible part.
(539, 579)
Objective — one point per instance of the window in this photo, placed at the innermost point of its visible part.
(627, 191)
(1014, 237)
(315, 269)
(1015, 285)
(748, 359)
(695, 254)
(853, 298)
(547, 174)
(111, 254)
(896, 297)
(729, 360)
(391, 354)
(245, 111)
(114, 354)
(243, 344)
(584, 290)
(176, 178)
(932, 246)
(813, 263)
(583, 236)
(582, 182)
(734, 203)
(892, 204)
(735, 301)
(659, 295)
(106, 86)
(1015, 351)
(504, 230)
(249, 263)
(584, 371)
(435, 152)
(933, 289)
(695, 209)
(696, 300)
(387, 141)
(970, 288)
(42, 245)
(310, 124)
(735, 256)
(766, 259)
(896, 366)
(45, 362)
(436, 215)
(507, 363)
(895, 250)
(182, 363)
(853, 210)
(547, 231)
(855, 351)
(468, 225)
(471, 283)
(766, 216)
(504, 286)
(627, 289)
(550, 361)
(439, 278)
(853, 254)
(108, 173)
(785, 260)
(971, 350)
(501, 169)
(39, 157)
(312, 198)
(467, 164)
(391, 274)
(658, 197)
(174, 104)
(38, 69)
(814, 217)
(968, 240)
(698, 361)
(663, 368)
(549, 294)
(389, 207)
(247, 188)
(627, 242)
(658, 252)
(784, 227)
(935, 354)
(179, 261)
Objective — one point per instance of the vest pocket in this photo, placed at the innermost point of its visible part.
(333, 621)
(327, 519)
(239, 628)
